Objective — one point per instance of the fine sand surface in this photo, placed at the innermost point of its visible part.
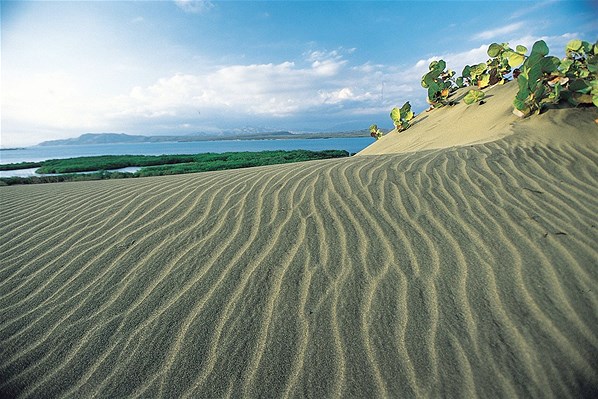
(458, 272)
(464, 124)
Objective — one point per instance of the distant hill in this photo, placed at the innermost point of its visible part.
(117, 138)
(98, 138)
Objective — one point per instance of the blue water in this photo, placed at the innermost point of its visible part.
(31, 172)
(38, 153)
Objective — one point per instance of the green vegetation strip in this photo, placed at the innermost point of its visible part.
(20, 165)
(158, 165)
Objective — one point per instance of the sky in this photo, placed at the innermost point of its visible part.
(186, 67)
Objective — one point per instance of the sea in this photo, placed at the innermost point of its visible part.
(43, 153)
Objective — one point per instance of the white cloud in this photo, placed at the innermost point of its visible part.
(521, 11)
(499, 32)
(257, 89)
(194, 6)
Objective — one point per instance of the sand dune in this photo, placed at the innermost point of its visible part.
(457, 272)
(464, 124)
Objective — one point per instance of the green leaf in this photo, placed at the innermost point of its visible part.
(533, 59)
(438, 66)
(522, 81)
(580, 86)
(466, 71)
(395, 115)
(540, 47)
(373, 128)
(405, 108)
(473, 96)
(519, 104)
(423, 82)
(484, 81)
(573, 45)
(566, 65)
(478, 69)
(494, 50)
(595, 100)
(593, 64)
(550, 64)
(515, 59)
(521, 49)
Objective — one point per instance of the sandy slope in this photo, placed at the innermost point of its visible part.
(464, 124)
(462, 272)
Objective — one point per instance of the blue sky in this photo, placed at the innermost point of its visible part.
(183, 67)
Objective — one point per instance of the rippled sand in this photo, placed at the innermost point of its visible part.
(458, 272)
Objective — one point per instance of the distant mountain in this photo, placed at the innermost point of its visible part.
(118, 138)
(98, 138)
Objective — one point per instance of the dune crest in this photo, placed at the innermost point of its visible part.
(463, 124)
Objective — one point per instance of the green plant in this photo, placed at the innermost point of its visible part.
(473, 74)
(580, 70)
(439, 83)
(546, 79)
(401, 117)
(497, 69)
(538, 81)
(473, 96)
(375, 132)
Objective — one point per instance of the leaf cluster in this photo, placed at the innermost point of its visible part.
(375, 132)
(401, 117)
(439, 82)
(473, 96)
(580, 69)
(496, 70)
(546, 80)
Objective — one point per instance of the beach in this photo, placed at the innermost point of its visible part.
(459, 268)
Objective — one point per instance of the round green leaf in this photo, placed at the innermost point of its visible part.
(466, 71)
(494, 50)
(540, 47)
(473, 96)
(573, 45)
(521, 49)
(478, 69)
(515, 59)
(484, 81)
(395, 115)
(565, 65)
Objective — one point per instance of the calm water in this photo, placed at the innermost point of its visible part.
(36, 153)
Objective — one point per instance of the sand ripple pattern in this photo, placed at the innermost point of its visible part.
(469, 272)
